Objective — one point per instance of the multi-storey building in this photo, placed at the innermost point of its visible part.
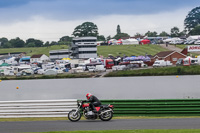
(84, 47)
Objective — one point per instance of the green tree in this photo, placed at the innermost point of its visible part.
(175, 32)
(119, 36)
(151, 34)
(183, 33)
(65, 40)
(7, 45)
(108, 38)
(86, 29)
(3, 41)
(192, 19)
(39, 43)
(163, 33)
(195, 31)
(17, 42)
(118, 29)
(34, 42)
(47, 44)
(138, 35)
(31, 44)
(53, 43)
(101, 38)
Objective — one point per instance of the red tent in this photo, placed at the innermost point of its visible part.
(119, 41)
(146, 41)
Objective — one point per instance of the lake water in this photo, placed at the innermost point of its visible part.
(153, 87)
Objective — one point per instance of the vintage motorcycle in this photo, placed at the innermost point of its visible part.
(104, 112)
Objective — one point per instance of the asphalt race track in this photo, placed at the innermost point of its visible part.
(44, 126)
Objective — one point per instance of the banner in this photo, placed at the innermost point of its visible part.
(193, 48)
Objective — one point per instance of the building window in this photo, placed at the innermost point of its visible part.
(88, 46)
(64, 53)
(87, 52)
(174, 59)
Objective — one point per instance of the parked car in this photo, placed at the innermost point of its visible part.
(91, 68)
(41, 71)
(119, 67)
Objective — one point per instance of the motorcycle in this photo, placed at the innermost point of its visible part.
(104, 112)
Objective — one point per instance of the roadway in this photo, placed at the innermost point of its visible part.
(116, 124)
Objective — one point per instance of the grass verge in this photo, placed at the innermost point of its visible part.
(181, 70)
(60, 76)
(114, 118)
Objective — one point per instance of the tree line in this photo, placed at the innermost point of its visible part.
(31, 42)
(191, 23)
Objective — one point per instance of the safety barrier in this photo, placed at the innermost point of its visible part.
(36, 108)
(60, 108)
(160, 107)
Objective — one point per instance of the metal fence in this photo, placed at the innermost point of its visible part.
(60, 108)
(36, 108)
(158, 107)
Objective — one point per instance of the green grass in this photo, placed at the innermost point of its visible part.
(59, 76)
(134, 131)
(181, 70)
(129, 50)
(181, 46)
(115, 50)
(82, 118)
(33, 50)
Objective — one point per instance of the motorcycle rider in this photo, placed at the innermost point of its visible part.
(94, 101)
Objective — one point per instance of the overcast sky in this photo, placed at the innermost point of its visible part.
(49, 20)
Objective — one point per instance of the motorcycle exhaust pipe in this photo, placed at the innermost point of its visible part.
(105, 111)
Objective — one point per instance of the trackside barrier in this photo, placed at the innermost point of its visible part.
(36, 108)
(60, 108)
(160, 107)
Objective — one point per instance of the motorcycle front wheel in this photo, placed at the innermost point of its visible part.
(74, 116)
(106, 116)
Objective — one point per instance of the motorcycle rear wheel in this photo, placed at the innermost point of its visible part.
(73, 116)
(106, 116)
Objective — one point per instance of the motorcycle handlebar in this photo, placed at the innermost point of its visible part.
(82, 101)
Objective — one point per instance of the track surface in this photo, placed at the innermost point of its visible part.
(44, 126)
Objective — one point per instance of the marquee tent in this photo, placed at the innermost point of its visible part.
(146, 41)
(138, 58)
(197, 37)
(130, 41)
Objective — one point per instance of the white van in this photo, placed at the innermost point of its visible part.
(100, 68)
(162, 63)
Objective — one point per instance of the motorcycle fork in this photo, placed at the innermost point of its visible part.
(77, 110)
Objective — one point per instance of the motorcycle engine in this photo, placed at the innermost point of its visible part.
(90, 115)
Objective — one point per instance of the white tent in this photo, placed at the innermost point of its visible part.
(130, 41)
(112, 41)
(167, 40)
(174, 40)
(1, 62)
(187, 61)
(197, 37)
